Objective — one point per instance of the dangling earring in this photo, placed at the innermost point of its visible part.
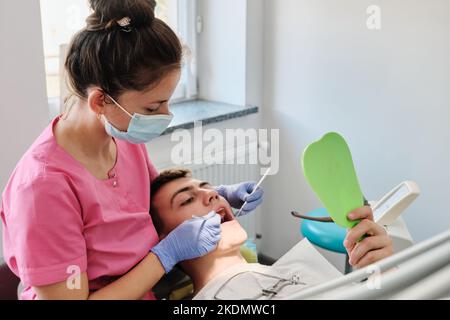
(99, 116)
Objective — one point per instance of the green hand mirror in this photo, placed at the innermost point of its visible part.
(329, 170)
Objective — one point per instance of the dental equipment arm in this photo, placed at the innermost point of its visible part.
(319, 219)
(382, 266)
(411, 271)
(432, 287)
(305, 217)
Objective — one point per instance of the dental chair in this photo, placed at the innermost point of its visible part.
(8, 282)
(328, 236)
(176, 285)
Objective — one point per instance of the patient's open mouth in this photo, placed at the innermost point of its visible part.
(225, 214)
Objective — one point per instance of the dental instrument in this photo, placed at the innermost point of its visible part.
(254, 189)
(266, 293)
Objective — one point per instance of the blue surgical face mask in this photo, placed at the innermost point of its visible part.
(142, 128)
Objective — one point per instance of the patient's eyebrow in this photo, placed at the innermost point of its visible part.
(204, 184)
(188, 188)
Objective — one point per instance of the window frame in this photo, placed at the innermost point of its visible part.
(187, 30)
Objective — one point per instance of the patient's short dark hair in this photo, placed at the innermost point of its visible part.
(164, 178)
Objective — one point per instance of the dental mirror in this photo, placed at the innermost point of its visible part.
(329, 169)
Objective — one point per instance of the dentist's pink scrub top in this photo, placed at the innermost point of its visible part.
(59, 219)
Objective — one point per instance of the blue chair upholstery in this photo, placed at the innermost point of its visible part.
(327, 235)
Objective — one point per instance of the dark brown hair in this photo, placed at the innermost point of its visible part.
(117, 58)
(164, 178)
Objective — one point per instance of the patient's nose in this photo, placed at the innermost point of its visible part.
(211, 196)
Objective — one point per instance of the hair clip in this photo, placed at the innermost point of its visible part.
(124, 24)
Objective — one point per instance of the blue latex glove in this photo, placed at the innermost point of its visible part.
(191, 239)
(237, 194)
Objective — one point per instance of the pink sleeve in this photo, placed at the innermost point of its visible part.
(45, 226)
(151, 168)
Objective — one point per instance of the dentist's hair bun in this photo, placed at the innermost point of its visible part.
(123, 47)
(108, 12)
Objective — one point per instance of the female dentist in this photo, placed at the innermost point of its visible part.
(75, 211)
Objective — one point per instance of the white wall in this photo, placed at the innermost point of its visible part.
(254, 51)
(23, 103)
(387, 92)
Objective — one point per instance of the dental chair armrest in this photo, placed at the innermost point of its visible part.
(170, 282)
(9, 282)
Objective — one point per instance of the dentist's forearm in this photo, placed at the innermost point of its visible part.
(135, 284)
(132, 286)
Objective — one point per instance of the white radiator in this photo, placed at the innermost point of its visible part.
(224, 174)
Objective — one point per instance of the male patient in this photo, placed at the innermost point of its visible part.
(176, 195)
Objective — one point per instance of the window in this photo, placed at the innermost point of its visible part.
(62, 18)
